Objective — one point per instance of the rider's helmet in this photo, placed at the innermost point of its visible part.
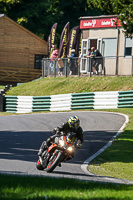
(74, 122)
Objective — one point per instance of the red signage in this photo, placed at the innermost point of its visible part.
(99, 23)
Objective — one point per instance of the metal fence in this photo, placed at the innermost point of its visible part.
(74, 66)
(109, 65)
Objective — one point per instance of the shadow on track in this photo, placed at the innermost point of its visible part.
(24, 145)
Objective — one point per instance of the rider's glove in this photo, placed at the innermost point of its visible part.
(79, 144)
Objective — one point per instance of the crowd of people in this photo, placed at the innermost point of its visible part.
(57, 63)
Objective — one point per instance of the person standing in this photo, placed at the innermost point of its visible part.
(53, 58)
(95, 59)
(72, 62)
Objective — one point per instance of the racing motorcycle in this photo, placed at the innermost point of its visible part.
(60, 150)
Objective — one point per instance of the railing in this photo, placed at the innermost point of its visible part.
(109, 65)
(75, 66)
(65, 102)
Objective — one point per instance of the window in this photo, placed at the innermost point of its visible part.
(128, 46)
(109, 46)
(38, 61)
(84, 47)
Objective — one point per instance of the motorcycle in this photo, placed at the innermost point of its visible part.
(60, 150)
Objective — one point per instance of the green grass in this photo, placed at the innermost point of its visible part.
(51, 86)
(39, 188)
(117, 160)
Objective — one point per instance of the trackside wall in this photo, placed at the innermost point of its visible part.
(66, 102)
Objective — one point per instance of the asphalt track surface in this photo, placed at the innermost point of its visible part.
(22, 135)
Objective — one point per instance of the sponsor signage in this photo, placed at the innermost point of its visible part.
(73, 39)
(99, 23)
(64, 41)
(51, 39)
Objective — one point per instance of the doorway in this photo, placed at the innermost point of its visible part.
(86, 44)
(92, 43)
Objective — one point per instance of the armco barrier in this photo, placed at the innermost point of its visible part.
(19, 104)
(41, 103)
(64, 102)
(96, 100)
(60, 102)
(125, 99)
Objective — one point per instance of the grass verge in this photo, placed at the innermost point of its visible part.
(117, 160)
(52, 86)
(40, 188)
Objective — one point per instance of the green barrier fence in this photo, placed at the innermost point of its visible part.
(125, 99)
(90, 100)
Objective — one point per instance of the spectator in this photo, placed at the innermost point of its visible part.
(72, 62)
(53, 57)
(89, 53)
(95, 61)
(61, 67)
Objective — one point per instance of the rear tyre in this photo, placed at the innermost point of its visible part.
(54, 161)
(39, 165)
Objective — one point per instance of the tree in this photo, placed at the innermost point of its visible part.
(39, 15)
(122, 8)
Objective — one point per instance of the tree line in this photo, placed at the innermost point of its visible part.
(39, 16)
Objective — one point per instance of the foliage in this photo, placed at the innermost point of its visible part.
(39, 16)
(123, 8)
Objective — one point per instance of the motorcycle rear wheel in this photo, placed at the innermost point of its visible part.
(53, 163)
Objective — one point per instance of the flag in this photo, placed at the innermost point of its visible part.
(64, 41)
(49, 45)
(78, 44)
(51, 38)
(72, 39)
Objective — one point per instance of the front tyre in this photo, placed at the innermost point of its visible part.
(39, 165)
(52, 164)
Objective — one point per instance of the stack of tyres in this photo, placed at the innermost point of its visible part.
(1, 103)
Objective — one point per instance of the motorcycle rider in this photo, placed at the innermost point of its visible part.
(72, 125)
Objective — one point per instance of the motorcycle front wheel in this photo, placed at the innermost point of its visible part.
(39, 165)
(53, 163)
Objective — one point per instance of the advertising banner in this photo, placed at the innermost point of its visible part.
(72, 39)
(64, 41)
(78, 44)
(51, 38)
(49, 45)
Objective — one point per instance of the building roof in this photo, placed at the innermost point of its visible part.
(21, 27)
(97, 17)
(1, 15)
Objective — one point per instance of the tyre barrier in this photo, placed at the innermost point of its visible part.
(1, 102)
(66, 102)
